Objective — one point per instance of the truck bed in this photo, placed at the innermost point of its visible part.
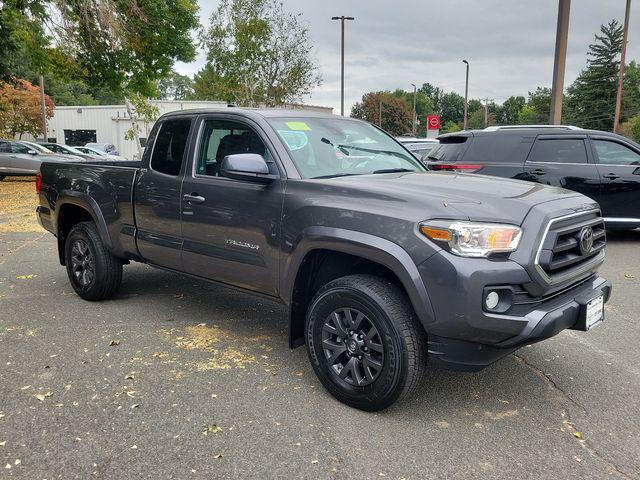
(105, 187)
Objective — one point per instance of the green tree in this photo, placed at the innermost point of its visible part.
(424, 107)
(450, 127)
(511, 109)
(633, 127)
(449, 105)
(591, 98)
(175, 87)
(257, 53)
(529, 116)
(125, 46)
(394, 112)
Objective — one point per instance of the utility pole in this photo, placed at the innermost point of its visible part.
(380, 115)
(415, 90)
(44, 109)
(616, 121)
(486, 111)
(466, 97)
(559, 63)
(342, 18)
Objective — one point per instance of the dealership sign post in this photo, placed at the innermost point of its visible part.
(433, 126)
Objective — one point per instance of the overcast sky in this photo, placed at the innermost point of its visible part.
(393, 43)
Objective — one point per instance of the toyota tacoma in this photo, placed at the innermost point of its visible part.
(384, 267)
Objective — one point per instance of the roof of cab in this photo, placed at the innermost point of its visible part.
(254, 112)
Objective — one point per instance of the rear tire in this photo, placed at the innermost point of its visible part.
(365, 342)
(94, 273)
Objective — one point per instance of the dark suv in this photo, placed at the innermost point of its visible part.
(601, 165)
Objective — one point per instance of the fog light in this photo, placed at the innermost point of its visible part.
(491, 300)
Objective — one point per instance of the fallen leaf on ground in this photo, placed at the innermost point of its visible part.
(218, 456)
(135, 405)
(25, 387)
(42, 396)
(313, 462)
(26, 277)
(213, 428)
(114, 343)
(577, 434)
(628, 275)
(129, 377)
(2, 444)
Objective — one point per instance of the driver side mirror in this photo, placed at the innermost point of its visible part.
(32, 152)
(249, 167)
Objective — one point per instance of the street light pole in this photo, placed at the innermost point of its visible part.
(342, 18)
(559, 63)
(466, 96)
(616, 121)
(415, 90)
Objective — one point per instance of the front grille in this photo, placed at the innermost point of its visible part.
(566, 246)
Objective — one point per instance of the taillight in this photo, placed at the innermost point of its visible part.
(455, 167)
(38, 182)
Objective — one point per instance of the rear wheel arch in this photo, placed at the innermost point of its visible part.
(70, 212)
(319, 264)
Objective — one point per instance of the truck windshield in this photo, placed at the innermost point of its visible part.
(328, 147)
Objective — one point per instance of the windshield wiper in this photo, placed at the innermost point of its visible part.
(333, 175)
(375, 151)
(393, 170)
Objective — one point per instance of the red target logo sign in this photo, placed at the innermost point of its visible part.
(433, 122)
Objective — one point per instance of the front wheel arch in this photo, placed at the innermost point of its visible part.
(381, 257)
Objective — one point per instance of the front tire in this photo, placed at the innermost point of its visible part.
(94, 273)
(365, 342)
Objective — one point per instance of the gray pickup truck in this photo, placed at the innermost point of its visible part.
(383, 266)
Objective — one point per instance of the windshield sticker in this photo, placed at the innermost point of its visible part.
(300, 126)
(294, 140)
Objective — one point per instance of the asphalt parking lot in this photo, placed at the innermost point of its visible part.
(176, 378)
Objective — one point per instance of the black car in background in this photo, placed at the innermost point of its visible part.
(601, 165)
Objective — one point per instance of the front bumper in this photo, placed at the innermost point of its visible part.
(465, 337)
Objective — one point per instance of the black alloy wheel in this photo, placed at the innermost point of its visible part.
(352, 347)
(82, 264)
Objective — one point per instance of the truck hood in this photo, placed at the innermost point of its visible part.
(456, 195)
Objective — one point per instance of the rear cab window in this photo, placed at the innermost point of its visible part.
(170, 146)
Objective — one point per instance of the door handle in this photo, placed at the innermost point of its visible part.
(193, 198)
(538, 171)
(611, 176)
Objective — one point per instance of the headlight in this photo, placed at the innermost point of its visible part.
(469, 239)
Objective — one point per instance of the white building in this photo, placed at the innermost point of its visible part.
(77, 125)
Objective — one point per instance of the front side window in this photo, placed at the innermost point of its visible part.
(614, 153)
(329, 147)
(170, 145)
(224, 137)
(560, 150)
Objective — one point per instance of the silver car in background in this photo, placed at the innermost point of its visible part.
(420, 147)
(100, 153)
(18, 158)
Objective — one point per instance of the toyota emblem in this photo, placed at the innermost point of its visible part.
(586, 240)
